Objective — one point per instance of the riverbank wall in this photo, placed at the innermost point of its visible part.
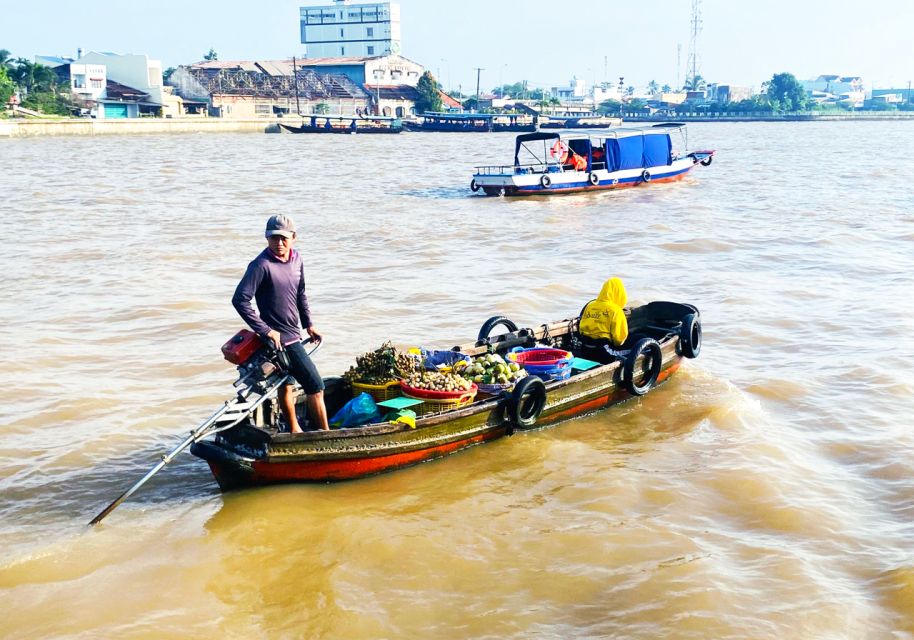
(89, 127)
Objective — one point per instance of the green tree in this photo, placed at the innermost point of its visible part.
(322, 108)
(166, 75)
(695, 83)
(666, 88)
(610, 107)
(5, 59)
(652, 87)
(429, 97)
(31, 76)
(785, 93)
(7, 88)
(212, 55)
(49, 102)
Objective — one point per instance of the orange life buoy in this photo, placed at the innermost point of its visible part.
(559, 152)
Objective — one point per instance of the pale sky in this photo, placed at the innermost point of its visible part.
(545, 42)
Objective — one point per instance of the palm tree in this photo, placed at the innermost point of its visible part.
(696, 83)
(652, 87)
(5, 58)
(666, 88)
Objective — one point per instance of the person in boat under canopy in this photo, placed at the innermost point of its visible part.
(575, 162)
(276, 280)
(603, 326)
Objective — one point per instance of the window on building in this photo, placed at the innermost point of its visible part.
(342, 51)
(396, 75)
(370, 50)
(263, 109)
(98, 83)
(370, 32)
(79, 81)
(341, 33)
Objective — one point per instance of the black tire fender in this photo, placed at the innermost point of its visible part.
(690, 336)
(493, 322)
(594, 178)
(650, 348)
(526, 403)
(473, 186)
(646, 176)
(707, 161)
(546, 181)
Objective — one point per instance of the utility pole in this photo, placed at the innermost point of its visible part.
(295, 82)
(479, 71)
(678, 65)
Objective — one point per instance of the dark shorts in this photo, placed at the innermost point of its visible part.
(303, 370)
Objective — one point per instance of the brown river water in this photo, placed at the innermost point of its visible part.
(766, 491)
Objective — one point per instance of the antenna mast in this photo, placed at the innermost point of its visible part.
(692, 72)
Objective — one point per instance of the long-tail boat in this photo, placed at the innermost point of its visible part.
(254, 451)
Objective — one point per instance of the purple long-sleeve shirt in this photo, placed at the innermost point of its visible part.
(279, 289)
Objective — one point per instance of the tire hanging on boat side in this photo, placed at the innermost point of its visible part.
(526, 403)
(706, 162)
(650, 348)
(594, 178)
(646, 176)
(690, 336)
(473, 186)
(493, 322)
(546, 181)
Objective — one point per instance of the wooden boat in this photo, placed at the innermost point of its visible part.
(612, 159)
(465, 122)
(253, 451)
(345, 124)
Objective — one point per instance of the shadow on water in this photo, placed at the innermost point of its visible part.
(440, 193)
(81, 496)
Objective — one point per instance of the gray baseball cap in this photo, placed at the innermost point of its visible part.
(280, 225)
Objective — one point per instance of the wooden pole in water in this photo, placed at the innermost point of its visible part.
(295, 81)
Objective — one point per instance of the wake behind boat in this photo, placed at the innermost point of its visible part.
(547, 163)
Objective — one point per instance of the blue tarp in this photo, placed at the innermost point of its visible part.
(657, 150)
(636, 152)
(626, 153)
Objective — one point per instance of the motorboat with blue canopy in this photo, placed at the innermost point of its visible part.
(547, 162)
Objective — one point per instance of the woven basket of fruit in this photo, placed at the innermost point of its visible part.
(492, 373)
(379, 372)
(438, 391)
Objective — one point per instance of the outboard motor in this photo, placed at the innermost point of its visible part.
(258, 363)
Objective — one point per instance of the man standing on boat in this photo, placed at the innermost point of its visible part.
(276, 280)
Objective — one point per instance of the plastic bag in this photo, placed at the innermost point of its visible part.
(358, 411)
(434, 360)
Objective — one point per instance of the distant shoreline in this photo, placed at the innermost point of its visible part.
(145, 126)
(782, 117)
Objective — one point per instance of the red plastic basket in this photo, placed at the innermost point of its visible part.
(541, 356)
(437, 395)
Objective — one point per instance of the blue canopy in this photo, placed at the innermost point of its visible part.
(638, 151)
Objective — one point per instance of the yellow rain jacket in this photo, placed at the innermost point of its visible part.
(603, 318)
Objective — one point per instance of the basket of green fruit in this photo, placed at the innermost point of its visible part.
(492, 373)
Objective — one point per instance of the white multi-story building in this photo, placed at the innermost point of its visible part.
(133, 70)
(346, 29)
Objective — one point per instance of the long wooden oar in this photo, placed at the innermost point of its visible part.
(237, 411)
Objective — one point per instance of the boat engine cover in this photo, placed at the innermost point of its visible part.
(241, 347)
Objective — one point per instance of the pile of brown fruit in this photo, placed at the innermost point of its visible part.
(382, 365)
(437, 381)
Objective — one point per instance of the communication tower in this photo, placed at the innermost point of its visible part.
(692, 71)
